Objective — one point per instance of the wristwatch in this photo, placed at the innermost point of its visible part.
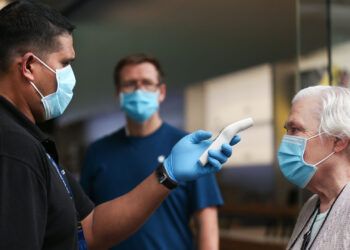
(164, 179)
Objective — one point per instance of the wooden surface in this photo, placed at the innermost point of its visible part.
(250, 239)
(259, 210)
(272, 236)
(236, 244)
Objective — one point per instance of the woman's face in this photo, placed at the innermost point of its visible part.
(303, 121)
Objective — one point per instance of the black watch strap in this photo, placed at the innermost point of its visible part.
(164, 179)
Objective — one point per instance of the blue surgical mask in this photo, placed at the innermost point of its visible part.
(140, 104)
(56, 103)
(291, 160)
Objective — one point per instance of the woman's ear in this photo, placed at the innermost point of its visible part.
(340, 144)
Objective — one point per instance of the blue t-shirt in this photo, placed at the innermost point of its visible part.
(115, 164)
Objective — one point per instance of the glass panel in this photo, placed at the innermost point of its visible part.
(340, 41)
(312, 58)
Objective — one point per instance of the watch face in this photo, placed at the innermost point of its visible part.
(162, 178)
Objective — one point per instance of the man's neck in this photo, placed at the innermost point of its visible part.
(10, 93)
(145, 128)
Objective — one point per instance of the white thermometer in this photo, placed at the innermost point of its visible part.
(225, 136)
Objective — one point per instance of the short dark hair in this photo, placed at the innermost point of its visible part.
(29, 26)
(134, 60)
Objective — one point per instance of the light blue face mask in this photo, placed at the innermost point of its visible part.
(139, 105)
(291, 160)
(56, 103)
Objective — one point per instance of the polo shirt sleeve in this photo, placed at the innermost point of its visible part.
(23, 205)
(88, 172)
(82, 202)
(204, 192)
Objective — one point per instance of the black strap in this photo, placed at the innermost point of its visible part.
(164, 179)
(307, 222)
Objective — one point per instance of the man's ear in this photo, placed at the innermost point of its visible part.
(162, 93)
(27, 66)
(340, 144)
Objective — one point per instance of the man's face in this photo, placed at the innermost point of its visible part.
(44, 79)
(56, 60)
(140, 76)
(303, 121)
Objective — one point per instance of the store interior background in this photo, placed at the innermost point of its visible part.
(224, 60)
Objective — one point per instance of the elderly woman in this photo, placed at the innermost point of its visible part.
(315, 155)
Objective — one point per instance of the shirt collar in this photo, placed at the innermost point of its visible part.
(18, 117)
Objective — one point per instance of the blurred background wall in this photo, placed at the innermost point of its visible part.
(224, 60)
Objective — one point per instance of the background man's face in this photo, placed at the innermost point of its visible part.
(141, 76)
(144, 74)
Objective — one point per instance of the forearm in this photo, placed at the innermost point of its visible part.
(207, 237)
(113, 221)
(207, 241)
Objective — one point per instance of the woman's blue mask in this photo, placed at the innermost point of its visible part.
(139, 105)
(56, 103)
(291, 160)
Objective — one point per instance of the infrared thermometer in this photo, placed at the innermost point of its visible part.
(225, 136)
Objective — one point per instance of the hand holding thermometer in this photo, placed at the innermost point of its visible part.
(225, 136)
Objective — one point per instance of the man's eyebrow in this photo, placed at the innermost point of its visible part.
(69, 61)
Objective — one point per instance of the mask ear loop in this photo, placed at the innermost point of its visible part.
(315, 135)
(48, 67)
(42, 62)
(324, 159)
(32, 83)
(47, 112)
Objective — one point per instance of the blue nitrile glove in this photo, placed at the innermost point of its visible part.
(183, 162)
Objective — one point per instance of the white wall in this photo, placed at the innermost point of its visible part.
(218, 102)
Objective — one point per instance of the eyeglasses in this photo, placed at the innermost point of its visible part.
(131, 86)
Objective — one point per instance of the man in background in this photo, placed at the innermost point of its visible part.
(137, 149)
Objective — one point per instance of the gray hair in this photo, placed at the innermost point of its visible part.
(334, 109)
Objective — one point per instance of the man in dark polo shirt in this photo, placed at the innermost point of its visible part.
(41, 206)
